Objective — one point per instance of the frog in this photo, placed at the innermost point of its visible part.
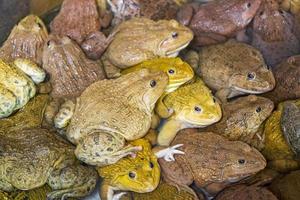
(110, 112)
(279, 150)
(26, 40)
(290, 124)
(81, 21)
(210, 161)
(18, 79)
(30, 116)
(232, 69)
(290, 5)
(155, 10)
(69, 69)
(141, 39)
(245, 192)
(287, 85)
(272, 33)
(242, 118)
(163, 191)
(217, 21)
(178, 71)
(31, 153)
(194, 106)
(286, 188)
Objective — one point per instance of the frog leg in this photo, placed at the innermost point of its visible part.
(111, 70)
(168, 132)
(192, 58)
(168, 153)
(103, 148)
(6, 186)
(8, 102)
(162, 110)
(222, 95)
(36, 73)
(107, 192)
(72, 181)
(155, 120)
(64, 114)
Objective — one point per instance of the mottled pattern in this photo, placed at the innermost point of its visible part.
(228, 67)
(33, 153)
(211, 159)
(287, 75)
(69, 69)
(272, 33)
(243, 117)
(244, 192)
(26, 40)
(110, 111)
(76, 19)
(217, 21)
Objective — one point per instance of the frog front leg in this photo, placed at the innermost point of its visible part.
(31, 69)
(107, 192)
(72, 181)
(7, 102)
(168, 132)
(162, 110)
(168, 153)
(103, 148)
(64, 115)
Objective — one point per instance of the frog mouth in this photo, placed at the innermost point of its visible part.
(245, 91)
(175, 52)
(173, 86)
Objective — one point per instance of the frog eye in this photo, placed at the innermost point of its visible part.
(197, 109)
(131, 175)
(151, 165)
(174, 35)
(153, 83)
(48, 43)
(258, 109)
(171, 71)
(251, 76)
(241, 161)
(248, 5)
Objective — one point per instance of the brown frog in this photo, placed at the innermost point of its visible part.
(152, 9)
(216, 21)
(81, 21)
(141, 39)
(272, 33)
(232, 69)
(69, 69)
(34, 157)
(26, 40)
(244, 192)
(287, 75)
(211, 161)
(243, 117)
(287, 187)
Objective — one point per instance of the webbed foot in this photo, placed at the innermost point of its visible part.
(118, 196)
(168, 153)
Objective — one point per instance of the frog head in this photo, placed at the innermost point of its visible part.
(241, 161)
(147, 86)
(139, 174)
(179, 72)
(250, 111)
(173, 37)
(194, 104)
(253, 77)
(32, 23)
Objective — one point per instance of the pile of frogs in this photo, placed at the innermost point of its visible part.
(153, 99)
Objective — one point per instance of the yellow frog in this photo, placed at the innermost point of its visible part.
(179, 72)
(290, 5)
(193, 106)
(138, 173)
(16, 88)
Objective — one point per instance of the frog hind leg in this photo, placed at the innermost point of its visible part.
(107, 192)
(31, 69)
(111, 70)
(8, 102)
(64, 115)
(162, 110)
(73, 180)
(103, 148)
(168, 132)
